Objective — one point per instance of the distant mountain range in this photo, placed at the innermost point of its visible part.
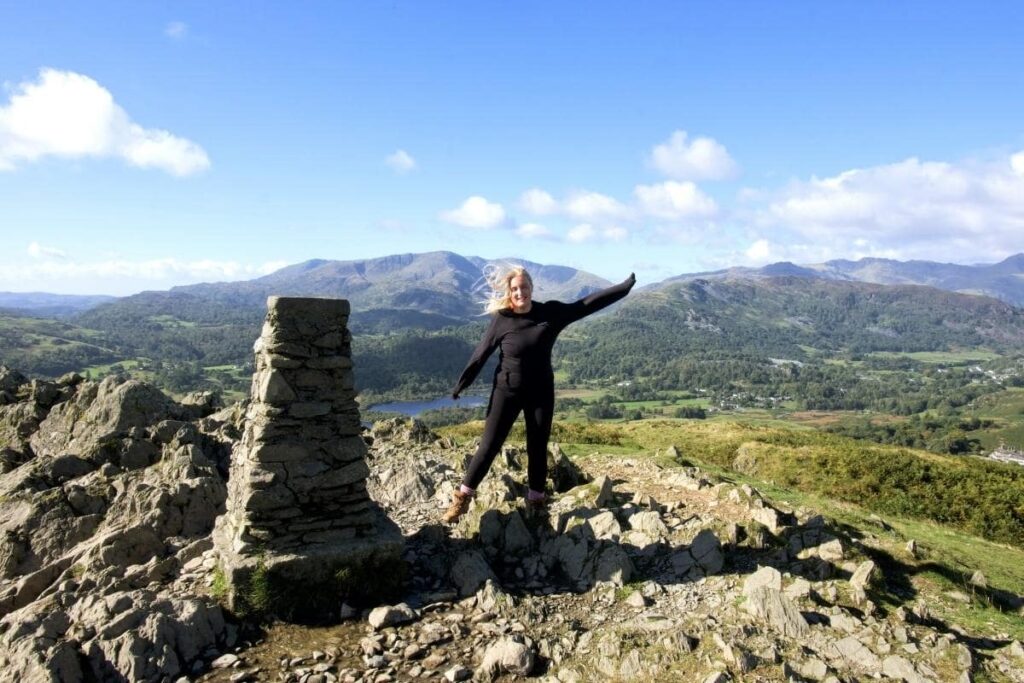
(1003, 280)
(425, 309)
(440, 282)
(444, 288)
(50, 305)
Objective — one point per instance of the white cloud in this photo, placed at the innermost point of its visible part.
(674, 200)
(615, 233)
(581, 233)
(36, 250)
(760, 252)
(585, 232)
(593, 206)
(932, 210)
(65, 114)
(400, 162)
(538, 202)
(476, 212)
(699, 159)
(533, 231)
(1017, 163)
(176, 30)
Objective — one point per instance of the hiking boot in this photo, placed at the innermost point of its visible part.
(537, 509)
(459, 507)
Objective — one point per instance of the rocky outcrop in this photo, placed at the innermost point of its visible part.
(105, 529)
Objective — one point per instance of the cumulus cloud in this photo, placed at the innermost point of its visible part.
(68, 115)
(585, 232)
(176, 30)
(923, 209)
(534, 231)
(538, 202)
(701, 158)
(36, 250)
(400, 162)
(1017, 163)
(592, 206)
(476, 212)
(674, 200)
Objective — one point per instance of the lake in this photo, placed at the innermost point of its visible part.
(414, 408)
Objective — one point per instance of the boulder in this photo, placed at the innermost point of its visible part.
(391, 615)
(777, 611)
(470, 571)
(764, 576)
(509, 655)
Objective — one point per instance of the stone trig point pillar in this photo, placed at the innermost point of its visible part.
(300, 529)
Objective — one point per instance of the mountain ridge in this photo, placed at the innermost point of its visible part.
(452, 284)
(1003, 280)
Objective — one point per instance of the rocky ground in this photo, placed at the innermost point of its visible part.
(110, 490)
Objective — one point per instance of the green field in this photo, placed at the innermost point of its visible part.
(942, 357)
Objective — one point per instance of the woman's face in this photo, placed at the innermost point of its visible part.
(522, 292)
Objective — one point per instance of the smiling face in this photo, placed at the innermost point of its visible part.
(520, 291)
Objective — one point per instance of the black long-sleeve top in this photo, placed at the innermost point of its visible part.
(526, 339)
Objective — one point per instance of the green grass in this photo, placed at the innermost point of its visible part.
(1006, 409)
(942, 357)
(173, 322)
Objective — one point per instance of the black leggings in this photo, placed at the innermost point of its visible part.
(538, 407)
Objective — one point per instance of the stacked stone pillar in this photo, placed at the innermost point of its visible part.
(298, 512)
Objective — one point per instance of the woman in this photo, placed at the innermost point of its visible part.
(524, 331)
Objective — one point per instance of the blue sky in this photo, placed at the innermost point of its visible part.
(144, 144)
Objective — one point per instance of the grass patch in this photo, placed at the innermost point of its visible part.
(942, 357)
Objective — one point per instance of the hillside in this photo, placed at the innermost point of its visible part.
(789, 318)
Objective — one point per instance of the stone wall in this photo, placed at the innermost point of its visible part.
(298, 512)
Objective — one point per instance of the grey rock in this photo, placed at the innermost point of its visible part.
(632, 666)
(860, 581)
(225, 661)
(648, 522)
(901, 669)
(470, 571)
(636, 599)
(604, 495)
(604, 526)
(764, 576)
(458, 673)
(717, 677)
(391, 615)
(858, 655)
(613, 564)
(778, 611)
(508, 655)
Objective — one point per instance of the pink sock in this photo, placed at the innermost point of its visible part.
(465, 490)
(534, 495)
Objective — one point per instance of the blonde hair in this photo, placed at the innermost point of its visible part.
(499, 280)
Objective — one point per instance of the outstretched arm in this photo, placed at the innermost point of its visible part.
(483, 350)
(592, 303)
